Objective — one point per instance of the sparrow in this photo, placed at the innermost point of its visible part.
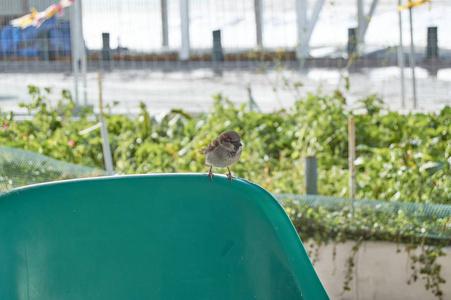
(223, 152)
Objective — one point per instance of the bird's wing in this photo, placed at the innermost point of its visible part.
(210, 147)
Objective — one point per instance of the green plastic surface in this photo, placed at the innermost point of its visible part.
(168, 236)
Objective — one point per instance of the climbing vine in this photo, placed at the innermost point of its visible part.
(334, 225)
(425, 265)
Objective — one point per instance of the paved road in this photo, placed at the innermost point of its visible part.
(191, 91)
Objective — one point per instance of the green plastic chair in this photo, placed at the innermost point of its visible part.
(168, 236)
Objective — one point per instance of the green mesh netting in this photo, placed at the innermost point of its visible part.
(20, 167)
(376, 217)
(385, 207)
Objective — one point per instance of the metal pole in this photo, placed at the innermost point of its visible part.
(99, 81)
(312, 22)
(401, 59)
(302, 30)
(360, 21)
(252, 104)
(311, 177)
(258, 7)
(366, 20)
(74, 48)
(107, 158)
(82, 49)
(251, 101)
(164, 22)
(352, 176)
(412, 59)
(184, 24)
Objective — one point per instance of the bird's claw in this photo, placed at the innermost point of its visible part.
(211, 175)
(230, 177)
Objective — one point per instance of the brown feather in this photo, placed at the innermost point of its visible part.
(211, 146)
(222, 138)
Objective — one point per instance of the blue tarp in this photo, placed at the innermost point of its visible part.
(15, 41)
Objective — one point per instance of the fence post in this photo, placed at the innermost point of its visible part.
(364, 19)
(78, 50)
(217, 54)
(107, 158)
(351, 150)
(83, 54)
(432, 48)
(311, 177)
(44, 45)
(360, 21)
(164, 23)
(301, 22)
(105, 46)
(258, 7)
(74, 49)
(184, 53)
(412, 58)
(352, 41)
(401, 59)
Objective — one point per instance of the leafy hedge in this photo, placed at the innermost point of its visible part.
(399, 157)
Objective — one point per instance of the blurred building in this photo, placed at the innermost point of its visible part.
(50, 41)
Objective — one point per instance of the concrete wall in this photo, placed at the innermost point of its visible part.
(380, 272)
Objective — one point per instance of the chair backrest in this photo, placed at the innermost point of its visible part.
(168, 236)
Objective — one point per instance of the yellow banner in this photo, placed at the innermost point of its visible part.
(413, 4)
